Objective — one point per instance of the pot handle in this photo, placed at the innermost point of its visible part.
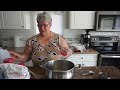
(78, 65)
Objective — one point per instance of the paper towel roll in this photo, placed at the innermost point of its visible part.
(16, 41)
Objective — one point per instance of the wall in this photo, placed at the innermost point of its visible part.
(75, 33)
(72, 36)
(7, 36)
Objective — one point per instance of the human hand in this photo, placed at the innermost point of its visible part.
(15, 56)
(64, 53)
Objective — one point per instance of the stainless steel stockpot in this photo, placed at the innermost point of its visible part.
(59, 69)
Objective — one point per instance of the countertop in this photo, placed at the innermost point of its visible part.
(111, 70)
(88, 51)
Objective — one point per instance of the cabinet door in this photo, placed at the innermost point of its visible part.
(75, 59)
(0, 19)
(88, 63)
(81, 19)
(14, 20)
(84, 59)
(88, 57)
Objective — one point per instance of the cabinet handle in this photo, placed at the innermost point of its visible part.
(81, 57)
(82, 64)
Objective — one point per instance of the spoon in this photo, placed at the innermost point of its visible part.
(88, 73)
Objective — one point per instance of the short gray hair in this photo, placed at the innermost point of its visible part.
(45, 16)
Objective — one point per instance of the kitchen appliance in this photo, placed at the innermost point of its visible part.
(107, 21)
(86, 39)
(59, 69)
(109, 51)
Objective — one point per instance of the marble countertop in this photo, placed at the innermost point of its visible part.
(113, 72)
(88, 51)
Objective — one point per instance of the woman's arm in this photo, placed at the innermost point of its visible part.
(27, 52)
(64, 47)
(24, 56)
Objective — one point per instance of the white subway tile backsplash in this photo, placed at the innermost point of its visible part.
(68, 33)
(10, 34)
(73, 40)
(9, 42)
(71, 33)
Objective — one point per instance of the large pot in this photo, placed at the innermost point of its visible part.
(59, 69)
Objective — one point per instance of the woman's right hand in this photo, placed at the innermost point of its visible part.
(16, 56)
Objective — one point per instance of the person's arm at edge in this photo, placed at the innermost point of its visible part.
(24, 56)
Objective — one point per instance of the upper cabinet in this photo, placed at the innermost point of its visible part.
(81, 19)
(0, 19)
(15, 20)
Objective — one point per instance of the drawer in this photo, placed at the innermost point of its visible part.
(87, 63)
(83, 57)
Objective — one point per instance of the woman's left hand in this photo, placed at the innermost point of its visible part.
(64, 53)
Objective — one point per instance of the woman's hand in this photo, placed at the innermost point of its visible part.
(63, 52)
(16, 56)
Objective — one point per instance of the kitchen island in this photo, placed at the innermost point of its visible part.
(79, 73)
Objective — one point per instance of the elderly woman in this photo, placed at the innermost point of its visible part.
(44, 46)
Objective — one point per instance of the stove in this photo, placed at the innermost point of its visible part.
(109, 51)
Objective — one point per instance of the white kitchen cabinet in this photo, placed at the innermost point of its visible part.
(15, 20)
(81, 19)
(0, 19)
(84, 59)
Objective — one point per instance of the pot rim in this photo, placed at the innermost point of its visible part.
(59, 70)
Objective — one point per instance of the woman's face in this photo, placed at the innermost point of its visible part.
(44, 26)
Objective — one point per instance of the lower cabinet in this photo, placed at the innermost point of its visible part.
(84, 59)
